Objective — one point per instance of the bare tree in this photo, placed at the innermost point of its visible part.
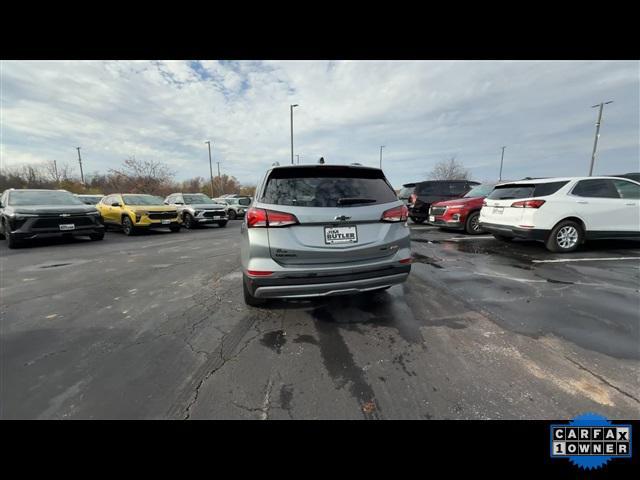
(142, 176)
(450, 169)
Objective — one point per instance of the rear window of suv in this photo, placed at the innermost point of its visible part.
(525, 190)
(327, 186)
(441, 188)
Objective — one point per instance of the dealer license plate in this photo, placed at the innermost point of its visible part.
(333, 235)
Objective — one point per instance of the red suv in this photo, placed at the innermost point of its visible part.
(461, 213)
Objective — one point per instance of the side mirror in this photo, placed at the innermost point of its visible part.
(179, 203)
(115, 204)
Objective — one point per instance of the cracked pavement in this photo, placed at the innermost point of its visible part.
(154, 327)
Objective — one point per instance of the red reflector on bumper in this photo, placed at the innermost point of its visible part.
(259, 273)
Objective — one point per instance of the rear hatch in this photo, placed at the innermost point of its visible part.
(499, 207)
(339, 211)
(437, 191)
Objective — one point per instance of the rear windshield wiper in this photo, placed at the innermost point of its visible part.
(353, 200)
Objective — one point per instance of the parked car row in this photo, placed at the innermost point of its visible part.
(29, 213)
(561, 212)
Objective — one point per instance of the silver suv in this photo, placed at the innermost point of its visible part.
(320, 230)
(196, 209)
(237, 206)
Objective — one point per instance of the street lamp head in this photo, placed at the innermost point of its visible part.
(295, 105)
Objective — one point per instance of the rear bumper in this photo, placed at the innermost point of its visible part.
(314, 285)
(515, 232)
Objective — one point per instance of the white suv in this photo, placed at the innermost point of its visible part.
(563, 212)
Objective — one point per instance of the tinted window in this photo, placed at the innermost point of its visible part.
(525, 190)
(43, 197)
(627, 189)
(197, 198)
(600, 188)
(441, 188)
(142, 200)
(327, 187)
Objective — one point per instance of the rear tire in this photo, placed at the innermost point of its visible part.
(472, 225)
(127, 226)
(222, 223)
(250, 299)
(232, 215)
(502, 238)
(565, 237)
(96, 236)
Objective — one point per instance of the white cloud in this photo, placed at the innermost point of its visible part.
(422, 111)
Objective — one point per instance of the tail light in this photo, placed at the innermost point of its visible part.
(412, 198)
(259, 217)
(259, 273)
(484, 203)
(397, 214)
(406, 260)
(528, 204)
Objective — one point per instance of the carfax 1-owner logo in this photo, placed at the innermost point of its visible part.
(590, 440)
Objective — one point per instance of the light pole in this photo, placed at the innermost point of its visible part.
(595, 141)
(291, 108)
(298, 157)
(208, 142)
(80, 162)
(381, 147)
(501, 162)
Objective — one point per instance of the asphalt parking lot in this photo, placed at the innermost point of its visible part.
(154, 326)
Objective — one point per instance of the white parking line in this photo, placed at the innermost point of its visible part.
(565, 260)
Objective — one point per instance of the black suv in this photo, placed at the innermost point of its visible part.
(27, 214)
(432, 191)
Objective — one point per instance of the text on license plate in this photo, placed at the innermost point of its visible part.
(67, 226)
(165, 222)
(498, 210)
(432, 218)
(333, 235)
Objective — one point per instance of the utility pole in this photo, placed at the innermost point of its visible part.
(595, 141)
(80, 162)
(210, 167)
(381, 147)
(291, 108)
(501, 162)
(55, 170)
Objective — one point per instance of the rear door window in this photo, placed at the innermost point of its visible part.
(525, 190)
(598, 188)
(327, 187)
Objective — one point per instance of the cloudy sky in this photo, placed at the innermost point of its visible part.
(422, 111)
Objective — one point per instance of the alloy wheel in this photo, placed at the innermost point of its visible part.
(567, 237)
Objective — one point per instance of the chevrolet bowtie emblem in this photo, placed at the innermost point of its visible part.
(342, 217)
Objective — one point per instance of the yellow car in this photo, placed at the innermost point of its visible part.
(133, 212)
